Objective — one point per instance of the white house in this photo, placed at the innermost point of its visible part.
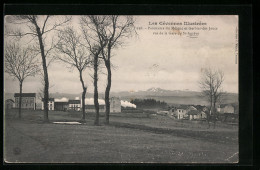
(28, 100)
(74, 105)
(50, 104)
(181, 112)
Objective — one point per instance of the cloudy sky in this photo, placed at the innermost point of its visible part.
(172, 62)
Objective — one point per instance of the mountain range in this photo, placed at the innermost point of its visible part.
(169, 96)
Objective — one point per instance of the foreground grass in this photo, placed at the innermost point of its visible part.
(123, 141)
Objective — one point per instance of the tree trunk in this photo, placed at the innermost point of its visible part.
(20, 100)
(214, 113)
(83, 97)
(83, 104)
(210, 113)
(45, 71)
(96, 90)
(107, 92)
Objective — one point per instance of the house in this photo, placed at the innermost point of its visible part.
(50, 104)
(196, 114)
(172, 111)
(181, 112)
(191, 108)
(201, 108)
(61, 104)
(226, 108)
(74, 105)
(28, 100)
(115, 105)
(9, 103)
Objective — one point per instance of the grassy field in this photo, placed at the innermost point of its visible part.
(130, 138)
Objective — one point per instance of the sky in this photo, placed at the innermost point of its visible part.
(172, 62)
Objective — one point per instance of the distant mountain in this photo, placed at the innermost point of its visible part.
(157, 92)
(173, 96)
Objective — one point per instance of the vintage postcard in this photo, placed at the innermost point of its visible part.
(121, 89)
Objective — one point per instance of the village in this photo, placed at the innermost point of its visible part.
(181, 112)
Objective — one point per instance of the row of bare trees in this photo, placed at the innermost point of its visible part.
(90, 46)
(36, 28)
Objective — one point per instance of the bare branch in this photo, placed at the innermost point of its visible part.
(210, 84)
(20, 63)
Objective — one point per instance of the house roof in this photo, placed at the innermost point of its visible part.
(50, 99)
(9, 100)
(61, 103)
(224, 105)
(25, 95)
(182, 107)
(74, 101)
(199, 107)
(89, 105)
(193, 112)
(192, 108)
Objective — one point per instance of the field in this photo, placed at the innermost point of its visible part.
(130, 138)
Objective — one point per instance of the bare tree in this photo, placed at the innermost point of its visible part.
(20, 63)
(88, 26)
(38, 26)
(211, 86)
(76, 55)
(114, 30)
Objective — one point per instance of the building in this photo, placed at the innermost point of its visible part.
(61, 104)
(28, 100)
(181, 112)
(201, 108)
(64, 104)
(50, 104)
(115, 105)
(9, 104)
(225, 108)
(74, 105)
(196, 115)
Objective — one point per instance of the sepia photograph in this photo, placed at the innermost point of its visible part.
(121, 89)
